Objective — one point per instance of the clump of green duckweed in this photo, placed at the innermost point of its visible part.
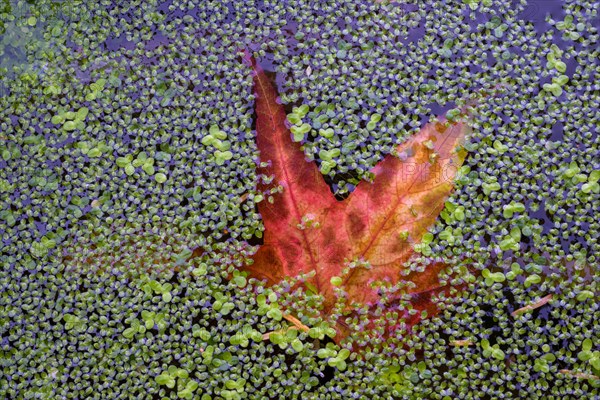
(113, 180)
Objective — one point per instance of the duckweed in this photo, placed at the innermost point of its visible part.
(129, 168)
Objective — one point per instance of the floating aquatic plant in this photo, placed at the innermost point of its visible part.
(81, 238)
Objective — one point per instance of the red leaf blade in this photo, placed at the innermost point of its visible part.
(307, 230)
(289, 247)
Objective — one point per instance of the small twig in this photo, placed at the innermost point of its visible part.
(297, 325)
(462, 342)
(579, 375)
(533, 306)
(267, 336)
(296, 322)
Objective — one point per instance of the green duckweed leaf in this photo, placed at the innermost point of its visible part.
(70, 126)
(122, 162)
(222, 156)
(166, 380)
(160, 177)
(129, 169)
(148, 168)
(58, 119)
(299, 132)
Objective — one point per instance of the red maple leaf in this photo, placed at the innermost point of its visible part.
(308, 229)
